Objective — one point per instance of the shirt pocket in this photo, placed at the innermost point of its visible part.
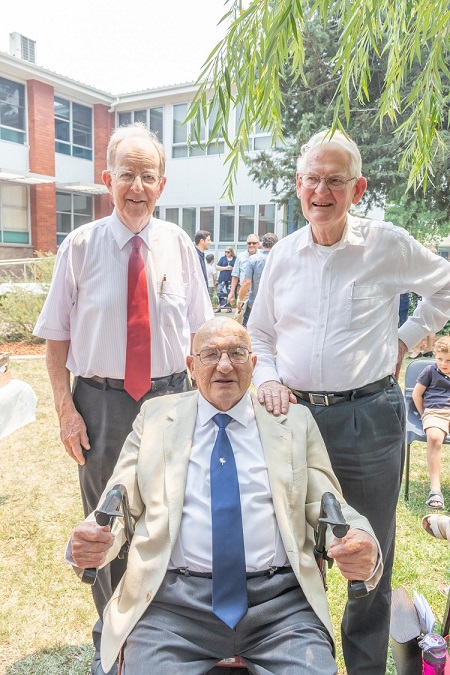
(172, 304)
(363, 304)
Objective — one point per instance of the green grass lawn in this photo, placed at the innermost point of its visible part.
(46, 614)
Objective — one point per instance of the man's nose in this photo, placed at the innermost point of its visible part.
(224, 364)
(137, 184)
(322, 186)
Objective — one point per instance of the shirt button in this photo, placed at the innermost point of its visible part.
(148, 597)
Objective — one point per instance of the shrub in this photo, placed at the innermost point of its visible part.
(21, 305)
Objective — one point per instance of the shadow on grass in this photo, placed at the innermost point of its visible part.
(72, 660)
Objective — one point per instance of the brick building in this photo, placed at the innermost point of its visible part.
(53, 137)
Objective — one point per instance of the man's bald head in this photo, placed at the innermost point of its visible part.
(224, 383)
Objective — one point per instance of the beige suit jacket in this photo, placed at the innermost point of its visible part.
(153, 466)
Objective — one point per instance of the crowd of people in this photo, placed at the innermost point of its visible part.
(225, 486)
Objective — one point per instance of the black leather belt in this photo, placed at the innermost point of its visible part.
(158, 383)
(208, 575)
(330, 398)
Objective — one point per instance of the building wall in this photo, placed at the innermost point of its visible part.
(41, 128)
(192, 182)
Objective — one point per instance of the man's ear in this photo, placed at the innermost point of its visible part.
(360, 188)
(190, 365)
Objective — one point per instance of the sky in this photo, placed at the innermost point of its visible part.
(118, 46)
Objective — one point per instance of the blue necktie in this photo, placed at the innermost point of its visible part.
(229, 581)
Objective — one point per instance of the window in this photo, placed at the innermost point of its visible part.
(12, 111)
(172, 216)
(72, 210)
(188, 223)
(226, 231)
(184, 141)
(260, 139)
(266, 219)
(207, 220)
(14, 214)
(73, 129)
(151, 117)
(246, 222)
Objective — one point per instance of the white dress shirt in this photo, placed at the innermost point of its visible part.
(87, 301)
(332, 319)
(262, 540)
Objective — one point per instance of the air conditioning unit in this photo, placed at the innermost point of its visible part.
(22, 47)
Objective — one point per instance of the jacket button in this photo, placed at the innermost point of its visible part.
(148, 597)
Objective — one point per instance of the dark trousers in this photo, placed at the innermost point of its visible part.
(403, 308)
(365, 442)
(248, 309)
(109, 415)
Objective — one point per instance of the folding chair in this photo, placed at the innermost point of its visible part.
(414, 429)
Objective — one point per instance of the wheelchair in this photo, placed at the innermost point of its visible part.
(116, 506)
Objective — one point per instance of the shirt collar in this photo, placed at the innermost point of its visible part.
(352, 235)
(242, 412)
(122, 234)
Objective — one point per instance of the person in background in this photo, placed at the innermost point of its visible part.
(212, 276)
(225, 267)
(325, 327)
(238, 273)
(431, 396)
(403, 308)
(226, 499)
(126, 297)
(253, 273)
(202, 241)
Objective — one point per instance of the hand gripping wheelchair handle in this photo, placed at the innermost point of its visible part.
(331, 514)
(115, 505)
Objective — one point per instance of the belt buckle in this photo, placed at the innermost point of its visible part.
(318, 399)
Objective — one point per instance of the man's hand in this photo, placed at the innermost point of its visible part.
(90, 544)
(356, 555)
(402, 349)
(240, 304)
(231, 297)
(73, 434)
(276, 397)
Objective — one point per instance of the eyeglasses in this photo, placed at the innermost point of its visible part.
(211, 357)
(333, 183)
(227, 250)
(128, 178)
(252, 243)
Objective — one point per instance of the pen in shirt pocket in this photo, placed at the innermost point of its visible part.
(352, 290)
(162, 283)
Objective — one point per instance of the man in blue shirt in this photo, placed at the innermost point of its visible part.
(253, 273)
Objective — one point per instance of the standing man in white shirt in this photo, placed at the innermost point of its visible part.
(88, 322)
(324, 326)
(171, 611)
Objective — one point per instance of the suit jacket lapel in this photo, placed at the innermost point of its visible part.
(276, 440)
(178, 434)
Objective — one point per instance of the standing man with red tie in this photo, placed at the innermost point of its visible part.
(126, 298)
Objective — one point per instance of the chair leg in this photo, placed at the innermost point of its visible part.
(407, 462)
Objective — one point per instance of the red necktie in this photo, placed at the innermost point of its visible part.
(137, 367)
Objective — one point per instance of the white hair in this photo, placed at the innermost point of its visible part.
(337, 139)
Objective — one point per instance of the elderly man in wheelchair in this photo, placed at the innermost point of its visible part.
(225, 498)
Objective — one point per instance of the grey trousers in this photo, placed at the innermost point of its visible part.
(109, 415)
(178, 633)
(365, 442)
